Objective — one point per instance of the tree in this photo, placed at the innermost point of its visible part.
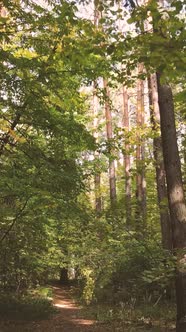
(42, 136)
(159, 165)
(140, 151)
(176, 197)
(159, 46)
(126, 156)
(108, 117)
(97, 177)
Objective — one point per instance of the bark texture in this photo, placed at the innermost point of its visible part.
(166, 230)
(140, 151)
(97, 176)
(177, 206)
(108, 116)
(126, 157)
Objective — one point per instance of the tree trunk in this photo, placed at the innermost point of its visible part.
(166, 230)
(126, 157)
(108, 115)
(140, 152)
(97, 176)
(177, 206)
(64, 276)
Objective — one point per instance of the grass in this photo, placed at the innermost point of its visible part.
(156, 317)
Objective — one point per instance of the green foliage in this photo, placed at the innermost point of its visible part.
(25, 307)
(126, 316)
(42, 137)
(45, 292)
(125, 265)
(47, 219)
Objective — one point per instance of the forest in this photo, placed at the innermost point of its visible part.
(92, 164)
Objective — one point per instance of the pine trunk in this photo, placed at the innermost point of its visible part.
(166, 230)
(97, 176)
(126, 157)
(177, 206)
(108, 116)
(140, 152)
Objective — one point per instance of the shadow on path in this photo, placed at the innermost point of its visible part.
(69, 312)
(69, 318)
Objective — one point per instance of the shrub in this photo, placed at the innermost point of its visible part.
(25, 307)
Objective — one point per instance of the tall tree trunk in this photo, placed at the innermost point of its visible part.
(97, 176)
(166, 230)
(97, 13)
(108, 116)
(177, 205)
(140, 151)
(126, 157)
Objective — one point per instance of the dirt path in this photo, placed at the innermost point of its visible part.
(69, 318)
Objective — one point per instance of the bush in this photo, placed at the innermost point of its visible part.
(141, 271)
(25, 307)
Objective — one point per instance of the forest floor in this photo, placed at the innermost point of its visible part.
(70, 317)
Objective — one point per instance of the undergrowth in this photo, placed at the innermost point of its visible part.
(25, 307)
(162, 315)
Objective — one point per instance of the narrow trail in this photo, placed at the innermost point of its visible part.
(69, 318)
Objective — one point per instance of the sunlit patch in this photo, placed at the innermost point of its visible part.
(65, 306)
(83, 321)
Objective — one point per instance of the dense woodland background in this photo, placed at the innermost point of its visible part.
(90, 92)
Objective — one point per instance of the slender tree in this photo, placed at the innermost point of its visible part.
(140, 150)
(175, 191)
(159, 164)
(177, 205)
(109, 132)
(97, 176)
(108, 117)
(126, 156)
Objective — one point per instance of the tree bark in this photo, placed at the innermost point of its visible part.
(177, 206)
(166, 230)
(108, 116)
(126, 157)
(140, 152)
(97, 176)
